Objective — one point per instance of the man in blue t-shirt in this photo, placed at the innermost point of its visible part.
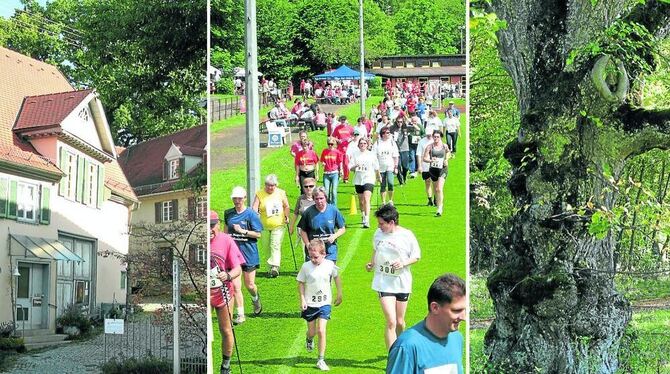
(434, 345)
(322, 221)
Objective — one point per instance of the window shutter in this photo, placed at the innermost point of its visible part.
(191, 208)
(166, 170)
(159, 212)
(86, 181)
(192, 253)
(101, 186)
(13, 190)
(63, 162)
(175, 211)
(45, 210)
(182, 166)
(4, 198)
(80, 179)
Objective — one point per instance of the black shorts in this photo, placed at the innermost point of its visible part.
(425, 175)
(398, 296)
(366, 187)
(307, 174)
(436, 173)
(248, 269)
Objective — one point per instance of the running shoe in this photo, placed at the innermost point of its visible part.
(309, 344)
(390, 202)
(430, 202)
(225, 370)
(274, 271)
(258, 308)
(438, 214)
(321, 364)
(239, 320)
(412, 175)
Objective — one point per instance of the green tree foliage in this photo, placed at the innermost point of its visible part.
(429, 26)
(146, 59)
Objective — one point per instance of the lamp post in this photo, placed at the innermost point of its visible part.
(362, 65)
(253, 138)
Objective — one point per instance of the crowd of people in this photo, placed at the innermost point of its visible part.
(401, 139)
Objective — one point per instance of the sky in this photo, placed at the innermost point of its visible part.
(7, 7)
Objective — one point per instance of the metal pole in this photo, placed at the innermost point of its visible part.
(253, 136)
(362, 66)
(175, 314)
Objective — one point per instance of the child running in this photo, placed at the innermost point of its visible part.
(316, 295)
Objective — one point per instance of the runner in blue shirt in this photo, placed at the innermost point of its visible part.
(434, 345)
(244, 225)
(322, 221)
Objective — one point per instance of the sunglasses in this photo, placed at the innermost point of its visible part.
(331, 143)
(385, 132)
(308, 186)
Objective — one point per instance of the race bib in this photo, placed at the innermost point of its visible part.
(444, 369)
(437, 163)
(385, 268)
(361, 168)
(273, 208)
(318, 297)
(214, 281)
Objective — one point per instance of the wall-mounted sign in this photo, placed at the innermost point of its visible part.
(113, 326)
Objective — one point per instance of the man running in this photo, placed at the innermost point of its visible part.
(434, 344)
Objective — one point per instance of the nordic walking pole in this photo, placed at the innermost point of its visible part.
(290, 239)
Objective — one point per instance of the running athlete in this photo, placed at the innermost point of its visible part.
(332, 160)
(316, 296)
(395, 249)
(322, 221)
(224, 264)
(366, 165)
(423, 167)
(271, 204)
(388, 156)
(245, 227)
(437, 154)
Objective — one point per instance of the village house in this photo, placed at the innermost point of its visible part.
(65, 204)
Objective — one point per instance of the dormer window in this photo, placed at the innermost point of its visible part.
(174, 169)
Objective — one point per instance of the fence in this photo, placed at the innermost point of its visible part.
(150, 335)
(222, 108)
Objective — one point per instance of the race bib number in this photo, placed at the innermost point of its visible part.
(273, 208)
(361, 168)
(437, 163)
(387, 269)
(319, 297)
(214, 281)
(444, 369)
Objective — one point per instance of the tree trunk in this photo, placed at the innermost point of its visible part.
(557, 309)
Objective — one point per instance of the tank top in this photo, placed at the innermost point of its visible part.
(437, 156)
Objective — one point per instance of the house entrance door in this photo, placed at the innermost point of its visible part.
(32, 296)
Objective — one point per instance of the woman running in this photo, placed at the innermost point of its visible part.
(366, 165)
(437, 154)
(387, 155)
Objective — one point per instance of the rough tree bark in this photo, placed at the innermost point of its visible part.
(557, 310)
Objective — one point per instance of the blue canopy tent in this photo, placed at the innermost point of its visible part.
(343, 72)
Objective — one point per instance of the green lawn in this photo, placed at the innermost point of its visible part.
(274, 342)
(236, 120)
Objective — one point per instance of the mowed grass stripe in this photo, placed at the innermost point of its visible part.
(273, 342)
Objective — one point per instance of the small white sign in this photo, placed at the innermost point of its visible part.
(114, 326)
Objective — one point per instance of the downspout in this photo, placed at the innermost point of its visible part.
(11, 280)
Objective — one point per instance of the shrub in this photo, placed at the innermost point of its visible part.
(75, 317)
(375, 82)
(11, 344)
(147, 365)
(6, 329)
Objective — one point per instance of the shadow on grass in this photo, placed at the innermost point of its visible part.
(308, 362)
(267, 315)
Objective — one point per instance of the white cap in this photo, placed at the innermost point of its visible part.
(238, 192)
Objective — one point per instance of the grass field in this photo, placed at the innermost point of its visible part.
(274, 341)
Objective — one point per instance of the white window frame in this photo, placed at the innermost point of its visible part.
(92, 184)
(167, 211)
(174, 168)
(23, 202)
(201, 254)
(71, 186)
(201, 207)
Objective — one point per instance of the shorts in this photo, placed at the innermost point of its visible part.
(398, 296)
(366, 187)
(436, 173)
(425, 175)
(220, 296)
(312, 313)
(249, 268)
(307, 174)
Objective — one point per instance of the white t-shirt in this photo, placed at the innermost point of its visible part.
(366, 165)
(451, 124)
(386, 151)
(389, 247)
(362, 130)
(420, 148)
(317, 282)
(435, 122)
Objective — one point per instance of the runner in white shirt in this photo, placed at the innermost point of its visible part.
(395, 249)
(452, 127)
(316, 296)
(366, 166)
(423, 167)
(388, 156)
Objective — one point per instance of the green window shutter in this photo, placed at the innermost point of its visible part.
(45, 211)
(166, 170)
(175, 212)
(182, 166)
(159, 212)
(80, 179)
(4, 198)
(63, 164)
(13, 191)
(87, 184)
(101, 186)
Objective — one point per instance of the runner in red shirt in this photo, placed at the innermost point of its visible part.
(225, 261)
(306, 166)
(332, 160)
(344, 133)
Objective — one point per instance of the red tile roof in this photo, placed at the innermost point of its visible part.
(48, 110)
(143, 163)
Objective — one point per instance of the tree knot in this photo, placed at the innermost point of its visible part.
(611, 82)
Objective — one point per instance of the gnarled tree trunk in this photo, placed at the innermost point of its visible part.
(557, 310)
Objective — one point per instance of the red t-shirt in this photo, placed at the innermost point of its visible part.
(306, 157)
(332, 159)
(343, 132)
(225, 256)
